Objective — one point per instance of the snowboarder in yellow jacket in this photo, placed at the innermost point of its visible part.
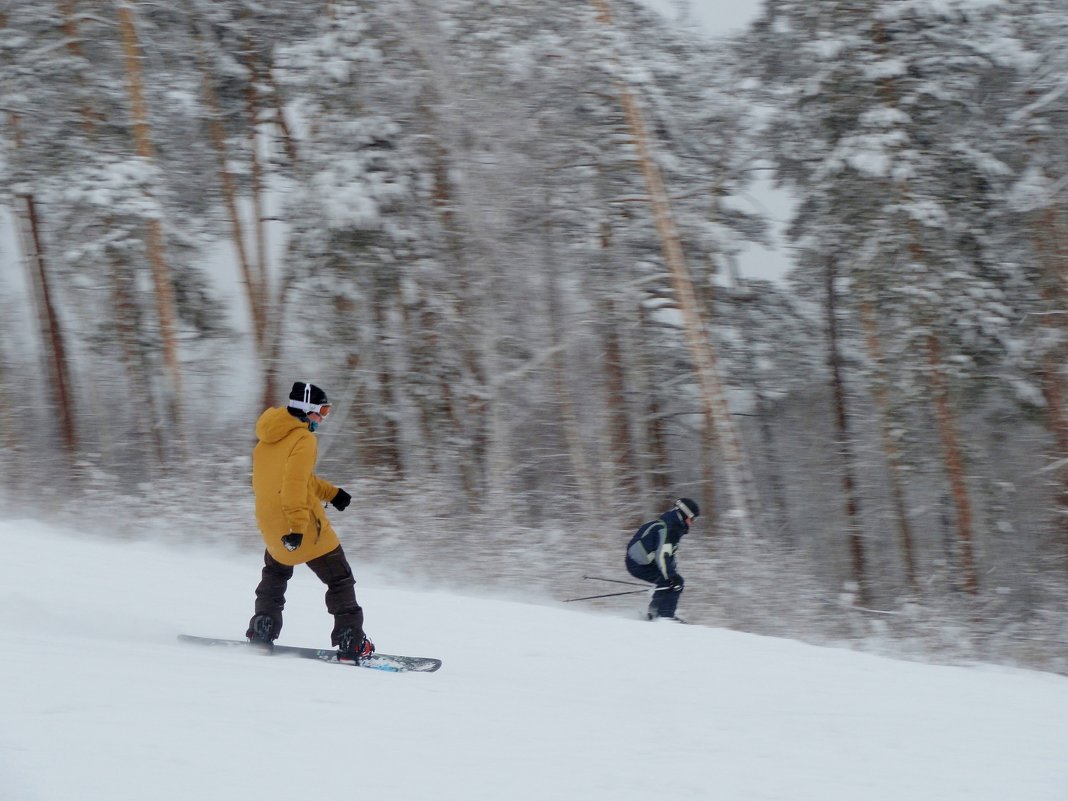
(295, 529)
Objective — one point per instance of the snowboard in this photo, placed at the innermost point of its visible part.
(391, 663)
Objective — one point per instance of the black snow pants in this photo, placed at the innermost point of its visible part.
(665, 599)
(333, 570)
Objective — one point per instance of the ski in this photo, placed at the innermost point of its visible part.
(656, 619)
(391, 663)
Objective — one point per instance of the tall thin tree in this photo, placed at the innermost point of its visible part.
(713, 395)
(844, 437)
(161, 273)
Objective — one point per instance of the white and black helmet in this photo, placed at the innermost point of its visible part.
(305, 397)
(688, 507)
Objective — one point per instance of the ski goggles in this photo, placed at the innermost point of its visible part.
(687, 512)
(321, 409)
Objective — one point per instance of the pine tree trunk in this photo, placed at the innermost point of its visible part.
(844, 440)
(67, 8)
(1051, 246)
(254, 291)
(464, 464)
(1052, 383)
(60, 391)
(709, 501)
(947, 430)
(420, 340)
(12, 452)
(576, 450)
(656, 437)
(895, 469)
(709, 454)
(139, 399)
(622, 470)
(288, 141)
(53, 338)
(440, 428)
(273, 328)
(390, 445)
(469, 424)
(569, 423)
(259, 216)
(161, 274)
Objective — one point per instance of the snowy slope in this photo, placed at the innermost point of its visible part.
(99, 703)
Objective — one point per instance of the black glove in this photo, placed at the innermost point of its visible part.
(675, 582)
(341, 500)
(292, 541)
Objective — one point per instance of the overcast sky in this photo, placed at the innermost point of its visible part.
(718, 17)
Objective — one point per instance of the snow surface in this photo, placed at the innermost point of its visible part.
(99, 703)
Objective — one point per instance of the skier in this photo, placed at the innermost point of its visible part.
(289, 511)
(651, 556)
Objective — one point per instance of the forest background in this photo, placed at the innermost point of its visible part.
(505, 237)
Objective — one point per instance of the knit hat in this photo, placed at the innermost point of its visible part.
(307, 397)
(688, 507)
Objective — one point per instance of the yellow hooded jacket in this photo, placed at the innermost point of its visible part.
(289, 496)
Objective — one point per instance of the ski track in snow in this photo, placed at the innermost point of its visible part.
(99, 703)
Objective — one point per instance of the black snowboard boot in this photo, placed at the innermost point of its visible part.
(260, 631)
(353, 645)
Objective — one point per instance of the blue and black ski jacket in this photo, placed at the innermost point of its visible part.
(657, 542)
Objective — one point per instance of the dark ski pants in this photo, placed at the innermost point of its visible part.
(665, 600)
(333, 570)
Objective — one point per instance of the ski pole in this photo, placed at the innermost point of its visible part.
(608, 595)
(614, 581)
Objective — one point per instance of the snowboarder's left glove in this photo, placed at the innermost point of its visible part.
(292, 541)
(676, 583)
(341, 500)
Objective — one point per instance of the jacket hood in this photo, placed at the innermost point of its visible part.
(676, 524)
(276, 423)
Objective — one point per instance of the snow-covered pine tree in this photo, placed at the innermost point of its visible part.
(881, 125)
